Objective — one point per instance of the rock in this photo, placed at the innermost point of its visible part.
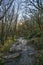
(19, 45)
(27, 53)
(11, 56)
(16, 47)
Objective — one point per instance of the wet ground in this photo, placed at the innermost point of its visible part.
(28, 54)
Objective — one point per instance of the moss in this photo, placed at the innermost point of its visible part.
(1, 62)
(7, 44)
(37, 42)
(40, 60)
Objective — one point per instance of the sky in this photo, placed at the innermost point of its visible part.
(21, 11)
(6, 4)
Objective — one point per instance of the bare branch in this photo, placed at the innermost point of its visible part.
(40, 8)
(6, 10)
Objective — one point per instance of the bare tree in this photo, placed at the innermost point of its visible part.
(6, 8)
(5, 27)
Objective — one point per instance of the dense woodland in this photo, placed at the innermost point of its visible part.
(21, 18)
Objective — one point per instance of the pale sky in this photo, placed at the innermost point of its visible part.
(21, 7)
